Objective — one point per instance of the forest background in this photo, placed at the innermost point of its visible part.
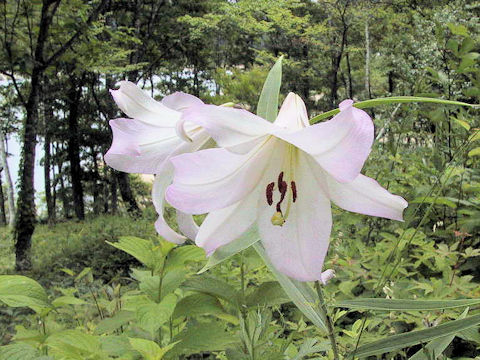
(58, 60)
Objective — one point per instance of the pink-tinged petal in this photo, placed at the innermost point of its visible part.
(162, 180)
(187, 225)
(340, 145)
(142, 148)
(293, 113)
(298, 247)
(180, 101)
(233, 129)
(134, 102)
(216, 178)
(138, 147)
(362, 195)
(225, 225)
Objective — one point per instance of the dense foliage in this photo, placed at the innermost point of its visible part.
(106, 286)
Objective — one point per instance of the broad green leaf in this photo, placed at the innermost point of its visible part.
(117, 346)
(19, 351)
(111, 324)
(172, 280)
(151, 315)
(21, 291)
(300, 293)
(391, 100)
(209, 285)
(437, 346)
(474, 152)
(68, 300)
(197, 304)
(140, 249)
(178, 257)
(401, 341)
(247, 239)
(149, 349)
(267, 294)
(73, 344)
(199, 337)
(458, 29)
(404, 305)
(267, 107)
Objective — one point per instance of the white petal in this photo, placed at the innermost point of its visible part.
(234, 129)
(180, 101)
(134, 102)
(362, 195)
(187, 225)
(216, 178)
(225, 225)
(138, 147)
(293, 113)
(298, 248)
(340, 145)
(162, 180)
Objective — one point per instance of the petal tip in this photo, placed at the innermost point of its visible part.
(345, 104)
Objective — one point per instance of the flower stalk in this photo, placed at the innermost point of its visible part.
(327, 319)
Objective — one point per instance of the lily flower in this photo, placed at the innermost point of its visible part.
(145, 142)
(281, 176)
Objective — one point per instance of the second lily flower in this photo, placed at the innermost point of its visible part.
(281, 176)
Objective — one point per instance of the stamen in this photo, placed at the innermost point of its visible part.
(294, 190)
(269, 193)
(280, 180)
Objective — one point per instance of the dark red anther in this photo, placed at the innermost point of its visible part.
(269, 193)
(280, 181)
(294, 190)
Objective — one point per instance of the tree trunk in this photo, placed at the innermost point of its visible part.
(96, 185)
(8, 179)
(3, 217)
(367, 60)
(127, 193)
(47, 160)
(74, 96)
(113, 191)
(336, 60)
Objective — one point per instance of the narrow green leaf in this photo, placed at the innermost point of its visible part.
(392, 100)
(434, 200)
(401, 341)
(300, 293)
(437, 346)
(247, 239)
(267, 106)
(404, 305)
(21, 291)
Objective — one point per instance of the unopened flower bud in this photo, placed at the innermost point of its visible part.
(327, 275)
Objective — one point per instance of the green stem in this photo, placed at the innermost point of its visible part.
(328, 321)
